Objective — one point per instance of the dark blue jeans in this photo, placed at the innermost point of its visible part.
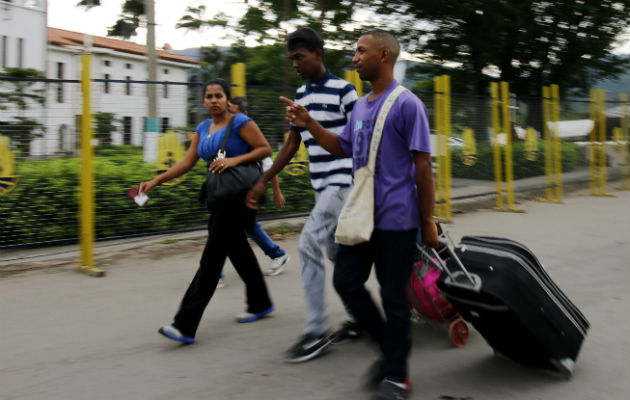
(392, 254)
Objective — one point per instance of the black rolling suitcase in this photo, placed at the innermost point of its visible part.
(500, 287)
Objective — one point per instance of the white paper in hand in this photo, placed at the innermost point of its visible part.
(141, 199)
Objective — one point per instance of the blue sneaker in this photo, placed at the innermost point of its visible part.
(174, 334)
(249, 317)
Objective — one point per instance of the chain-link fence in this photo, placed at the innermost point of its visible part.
(40, 122)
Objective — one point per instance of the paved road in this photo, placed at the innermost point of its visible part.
(65, 335)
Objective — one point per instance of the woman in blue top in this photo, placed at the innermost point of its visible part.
(226, 233)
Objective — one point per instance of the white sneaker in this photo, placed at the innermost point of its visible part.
(220, 284)
(174, 334)
(277, 265)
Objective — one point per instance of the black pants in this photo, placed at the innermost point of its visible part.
(392, 254)
(226, 238)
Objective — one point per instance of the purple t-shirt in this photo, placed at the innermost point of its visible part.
(396, 204)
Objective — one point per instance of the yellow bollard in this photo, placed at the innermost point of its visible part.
(496, 146)
(623, 142)
(439, 93)
(557, 144)
(592, 150)
(553, 145)
(87, 177)
(443, 128)
(598, 144)
(507, 128)
(446, 85)
(237, 76)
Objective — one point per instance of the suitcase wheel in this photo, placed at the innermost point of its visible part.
(458, 332)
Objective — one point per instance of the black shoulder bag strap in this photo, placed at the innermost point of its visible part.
(221, 152)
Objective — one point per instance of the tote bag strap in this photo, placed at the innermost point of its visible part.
(380, 122)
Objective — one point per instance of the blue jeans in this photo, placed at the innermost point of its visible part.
(263, 240)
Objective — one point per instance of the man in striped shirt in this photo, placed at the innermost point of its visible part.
(330, 100)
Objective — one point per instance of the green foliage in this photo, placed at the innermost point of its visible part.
(44, 205)
(104, 125)
(484, 166)
(531, 43)
(21, 93)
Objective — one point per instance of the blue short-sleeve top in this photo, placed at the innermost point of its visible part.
(209, 144)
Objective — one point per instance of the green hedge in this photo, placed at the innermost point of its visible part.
(483, 168)
(43, 206)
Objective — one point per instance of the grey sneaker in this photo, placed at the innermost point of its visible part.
(277, 265)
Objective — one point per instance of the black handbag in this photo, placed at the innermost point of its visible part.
(232, 184)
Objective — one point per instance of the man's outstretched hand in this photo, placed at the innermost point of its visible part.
(295, 113)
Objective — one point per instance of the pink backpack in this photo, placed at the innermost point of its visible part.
(424, 295)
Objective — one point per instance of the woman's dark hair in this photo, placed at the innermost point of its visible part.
(221, 82)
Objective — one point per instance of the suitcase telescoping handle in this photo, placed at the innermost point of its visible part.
(461, 278)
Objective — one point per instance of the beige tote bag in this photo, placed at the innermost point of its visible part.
(356, 220)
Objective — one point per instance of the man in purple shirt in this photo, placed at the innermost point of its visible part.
(403, 203)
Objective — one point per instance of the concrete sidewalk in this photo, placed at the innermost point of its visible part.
(65, 335)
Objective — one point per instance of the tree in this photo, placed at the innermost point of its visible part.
(132, 14)
(104, 125)
(20, 91)
(529, 43)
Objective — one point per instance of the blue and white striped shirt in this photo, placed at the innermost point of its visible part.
(329, 101)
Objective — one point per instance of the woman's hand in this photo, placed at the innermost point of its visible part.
(220, 165)
(146, 186)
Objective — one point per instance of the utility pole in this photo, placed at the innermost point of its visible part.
(151, 129)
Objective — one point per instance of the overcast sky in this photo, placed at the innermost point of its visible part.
(64, 14)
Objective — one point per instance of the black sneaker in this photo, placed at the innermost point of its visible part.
(348, 332)
(308, 347)
(374, 375)
(391, 391)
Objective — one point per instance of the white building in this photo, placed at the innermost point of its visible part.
(23, 34)
(22, 45)
(112, 59)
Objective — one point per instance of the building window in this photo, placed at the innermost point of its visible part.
(128, 66)
(60, 84)
(20, 53)
(165, 125)
(4, 51)
(126, 130)
(165, 91)
(107, 63)
(165, 71)
(128, 86)
(106, 83)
